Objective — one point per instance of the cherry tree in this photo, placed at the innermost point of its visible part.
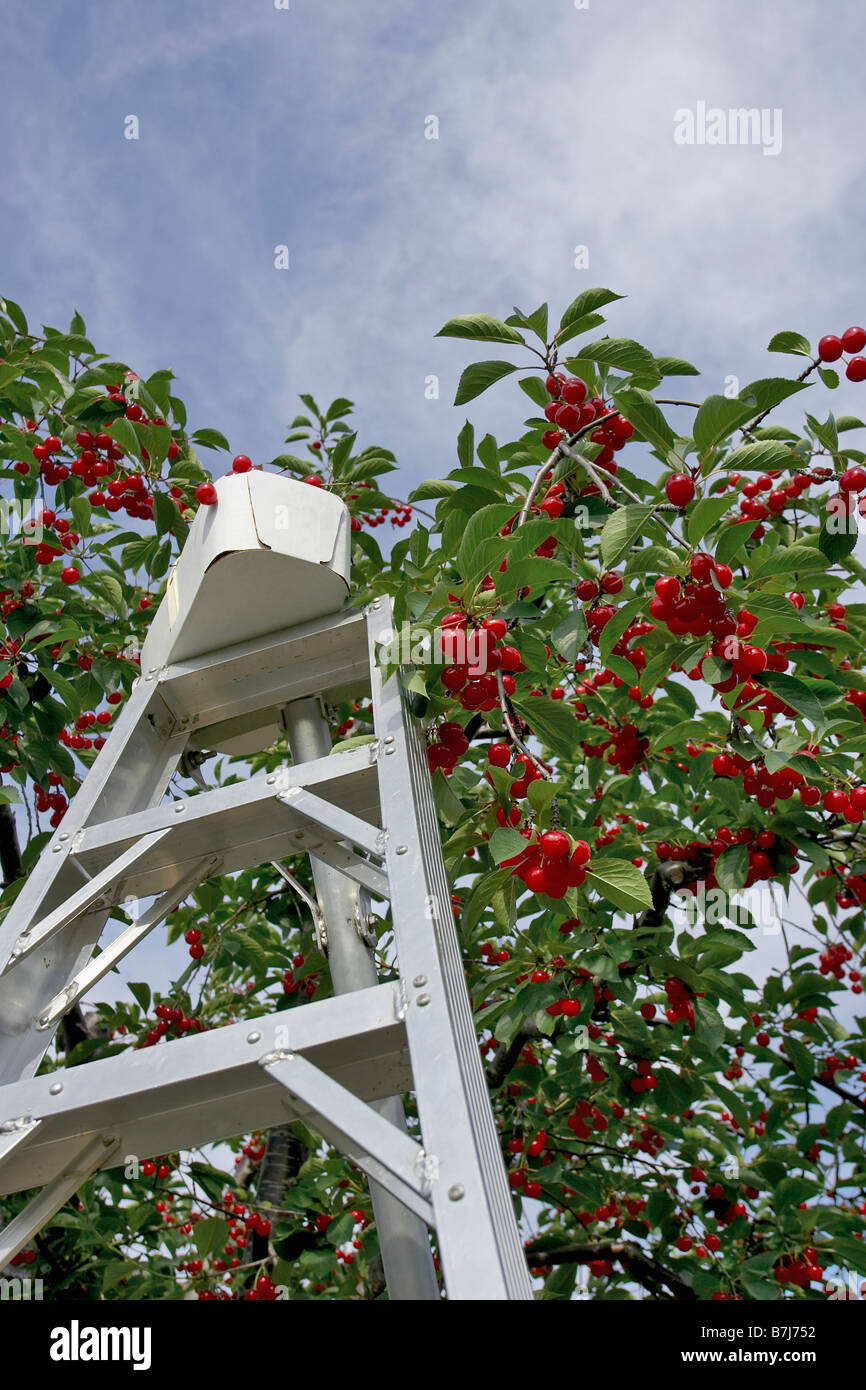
(630, 636)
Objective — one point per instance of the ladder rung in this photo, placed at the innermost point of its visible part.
(206, 1086)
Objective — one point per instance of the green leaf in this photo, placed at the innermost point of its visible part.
(837, 538)
(716, 419)
(535, 390)
(732, 868)
(797, 694)
(569, 635)
(800, 1058)
(122, 432)
(141, 994)
(675, 366)
(210, 1235)
(641, 410)
(466, 445)
(620, 530)
(620, 883)
(211, 439)
(433, 487)
(732, 540)
(794, 343)
(704, 515)
(15, 313)
(709, 1027)
(622, 353)
(481, 527)
(478, 376)
(552, 721)
(767, 454)
(506, 844)
(536, 322)
(585, 303)
(482, 328)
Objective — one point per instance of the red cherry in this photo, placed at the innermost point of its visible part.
(241, 463)
(680, 489)
(667, 588)
(830, 348)
(70, 575)
(499, 754)
(854, 339)
(567, 417)
(551, 438)
(724, 574)
(853, 479)
(762, 1039)
(555, 845)
(205, 493)
(317, 444)
(574, 390)
(313, 479)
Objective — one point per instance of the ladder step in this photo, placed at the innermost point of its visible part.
(206, 1086)
(244, 823)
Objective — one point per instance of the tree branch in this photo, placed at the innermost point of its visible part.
(642, 1267)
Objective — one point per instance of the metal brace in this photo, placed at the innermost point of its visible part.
(320, 926)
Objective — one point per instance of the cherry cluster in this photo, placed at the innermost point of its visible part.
(569, 410)
(853, 340)
(172, 1021)
(552, 863)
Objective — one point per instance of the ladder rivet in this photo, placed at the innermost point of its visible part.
(271, 780)
(422, 1000)
(64, 836)
(55, 1089)
(456, 1192)
(401, 849)
(57, 849)
(390, 750)
(254, 1037)
(178, 808)
(419, 981)
(389, 738)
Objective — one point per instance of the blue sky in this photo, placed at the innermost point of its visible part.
(306, 127)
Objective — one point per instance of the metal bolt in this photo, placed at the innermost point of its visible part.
(456, 1192)
(401, 849)
(254, 1037)
(419, 981)
(422, 1000)
(55, 1089)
